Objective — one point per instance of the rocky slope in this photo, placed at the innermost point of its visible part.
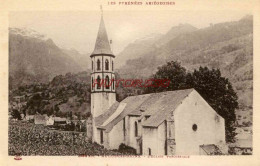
(150, 43)
(33, 58)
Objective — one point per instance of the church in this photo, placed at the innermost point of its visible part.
(177, 122)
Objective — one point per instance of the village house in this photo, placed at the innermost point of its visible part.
(29, 117)
(242, 147)
(166, 123)
(40, 119)
(60, 121)
(50, 121)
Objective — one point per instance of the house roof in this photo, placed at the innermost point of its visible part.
(210, 149)
(243, 143)
(102, 45)
(156, 105)
(59, 119)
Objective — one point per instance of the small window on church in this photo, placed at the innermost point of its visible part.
(101, 137)
(98, 82)
(107, 65)
(98, 64)
(124, 128)
(113, 82)
(194, 127)
(112, 65)
(136, 129)
(107, 82)
(149, 151)
(92, 82)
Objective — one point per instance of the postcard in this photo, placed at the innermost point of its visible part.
(119, 82)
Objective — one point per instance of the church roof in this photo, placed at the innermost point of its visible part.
(101, 119)
(102, 45)
(131, 102)
(158, 106)
(162, 108)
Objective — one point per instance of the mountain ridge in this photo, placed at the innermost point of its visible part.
(34, 58)
(227, 46)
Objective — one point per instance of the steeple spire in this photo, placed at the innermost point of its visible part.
(101, 9)
(102, 45)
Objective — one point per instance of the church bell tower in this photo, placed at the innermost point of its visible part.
(102, 76)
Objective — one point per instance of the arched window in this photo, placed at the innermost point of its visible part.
(107, 82)
(112, 65)
(170, 132)
(101, 137)
(98, 82)
(113, 83)
(98, 64)
(92, 82)
(136, 129)
(124, 128)
(92, 65)
(149, 151)
(106, 65)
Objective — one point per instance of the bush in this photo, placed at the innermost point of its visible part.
(126, 149)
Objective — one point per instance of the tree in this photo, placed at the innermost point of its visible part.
(172, 71)
(214, 88)
(16, 114)
(219, 93)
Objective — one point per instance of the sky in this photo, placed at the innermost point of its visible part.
(78, 30)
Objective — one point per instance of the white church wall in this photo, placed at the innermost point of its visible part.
(132, 137)
(127, 134)
(195, 110)
(106, 140)
(100, 102)
(161, 138)
(150, 140)
(116, 136)
(97, 136)
(154, 139)
(220, 129)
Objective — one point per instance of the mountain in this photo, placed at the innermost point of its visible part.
(150, 43)
(34, 58)
(227, 46)
(174, 32)
(83, 60)
(136, 49)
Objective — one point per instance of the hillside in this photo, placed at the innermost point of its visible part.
(227, 46)
(65, 94)
(33, 58)
(83, 60)
(151, 43)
